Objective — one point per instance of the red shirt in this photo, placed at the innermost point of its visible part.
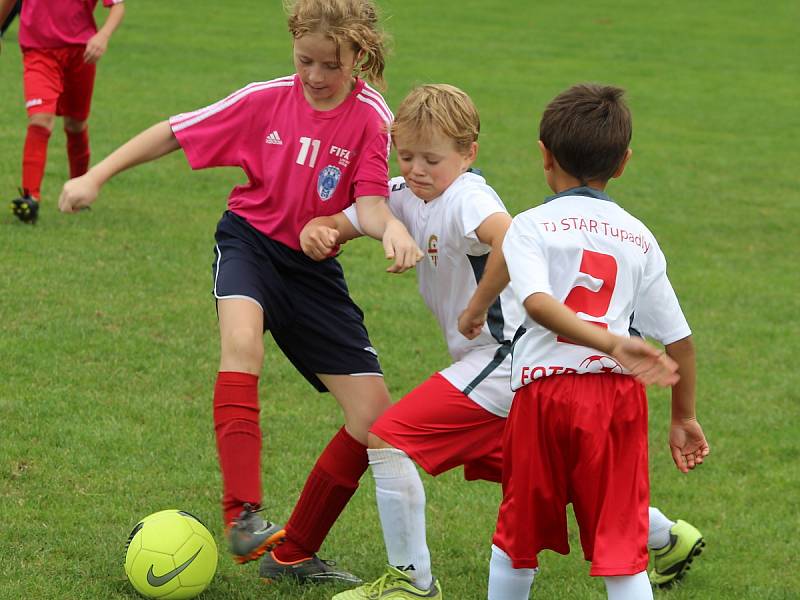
(58, 23)
(300, 162)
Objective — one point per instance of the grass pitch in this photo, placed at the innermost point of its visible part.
(108, 343)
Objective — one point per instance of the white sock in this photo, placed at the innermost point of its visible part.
(401, 506)
(629, 587)
(658, 537)
(506, 582)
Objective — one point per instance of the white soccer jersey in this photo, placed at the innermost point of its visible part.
(448, 275)
(587, 252)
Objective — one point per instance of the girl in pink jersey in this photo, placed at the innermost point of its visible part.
(311, 144)
(60, 46)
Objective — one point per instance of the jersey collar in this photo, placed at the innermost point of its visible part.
(583, 190)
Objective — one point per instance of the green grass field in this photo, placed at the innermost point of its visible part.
(108, 343)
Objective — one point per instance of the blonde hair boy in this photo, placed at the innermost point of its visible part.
(438, 107)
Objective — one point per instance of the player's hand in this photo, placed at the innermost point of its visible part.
(470, 323)
(399, 246)
(688, 444)
(645, 362)
(78, 193)
(95, 48)
(318, 241)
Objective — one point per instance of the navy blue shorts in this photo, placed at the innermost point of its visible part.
(306, 304)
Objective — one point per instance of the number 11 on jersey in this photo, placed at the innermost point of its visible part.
(305, 144)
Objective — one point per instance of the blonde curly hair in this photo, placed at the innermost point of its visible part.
(353, 22)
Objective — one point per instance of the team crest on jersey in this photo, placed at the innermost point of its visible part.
(433, 250)
(328, 180)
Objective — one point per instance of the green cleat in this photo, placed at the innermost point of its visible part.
(672, 561)
(393, 585)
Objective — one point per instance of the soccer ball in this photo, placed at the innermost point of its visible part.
(171, 555)
(601, 364)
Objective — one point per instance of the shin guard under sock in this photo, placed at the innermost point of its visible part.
(78, 152)
(34, 158)
(236, 425)
(328, 489)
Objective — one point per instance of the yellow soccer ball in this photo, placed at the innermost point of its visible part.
(170, 554)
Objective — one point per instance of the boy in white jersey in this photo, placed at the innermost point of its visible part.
(586, 271)
(457, 416)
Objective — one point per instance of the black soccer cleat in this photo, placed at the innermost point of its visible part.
(309, 570)
(25, 208)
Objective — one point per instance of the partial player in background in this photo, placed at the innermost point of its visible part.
(311, 143)
(577, 430)
(457, 416)
(61, 46)
(6, 22)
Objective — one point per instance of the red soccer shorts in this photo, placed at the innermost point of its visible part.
(58, 81)
(579, 439)
(440, 428)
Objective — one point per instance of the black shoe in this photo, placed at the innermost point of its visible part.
(25, 208)
(310, 570)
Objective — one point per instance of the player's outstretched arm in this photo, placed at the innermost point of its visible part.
(377, 221)
(98, 43)
(648, 364)
(687, 441)
(149, 145)
(495, 276)
(321, 235)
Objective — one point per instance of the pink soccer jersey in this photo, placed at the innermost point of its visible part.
(587, 252)
(58, 23)
(300, 163)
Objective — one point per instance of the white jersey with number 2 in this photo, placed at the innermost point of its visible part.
(587, 252)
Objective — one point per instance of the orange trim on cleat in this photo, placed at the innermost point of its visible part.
(288, 563)
(269, 545)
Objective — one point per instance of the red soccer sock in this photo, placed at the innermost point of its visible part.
(34, 157)
(238, 434)
(78, 152)
(328, 489)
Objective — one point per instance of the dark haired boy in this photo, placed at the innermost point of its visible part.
(587, 272)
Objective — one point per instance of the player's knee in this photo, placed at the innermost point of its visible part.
(243, 348)
(371, 413)
(45, 120)
(380, 402)
(74, 126)
(375, 443)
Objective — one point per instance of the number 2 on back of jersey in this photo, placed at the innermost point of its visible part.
(581, 299)
(305, 144)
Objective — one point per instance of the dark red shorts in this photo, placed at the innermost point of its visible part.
(441, 428)
(57, 81)
(579, 439)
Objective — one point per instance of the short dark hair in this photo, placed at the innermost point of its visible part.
(588, 130)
